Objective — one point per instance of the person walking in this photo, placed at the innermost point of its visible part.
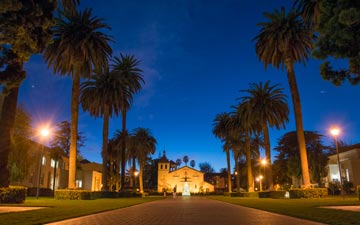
(174, 192)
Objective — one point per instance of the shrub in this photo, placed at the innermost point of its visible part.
(13, 194)
(237, 194)
(277, 194)
(308, 192)
(67, 194)
(251, 194)
(31, 191)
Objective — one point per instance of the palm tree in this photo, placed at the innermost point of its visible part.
(268, 107)
(78, 47)
(221, 130)
(131, 156)
(282, 41)
(192, 163)
(126, 67)
(242, 124)
(309, 10)
(186, 159)
(178, 163)
(145, 144)
(99, 96)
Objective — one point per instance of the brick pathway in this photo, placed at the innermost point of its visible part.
(186, 211)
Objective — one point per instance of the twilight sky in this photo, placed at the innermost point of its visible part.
(196, 55)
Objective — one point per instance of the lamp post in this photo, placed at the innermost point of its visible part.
(259, 179)
(43, 133)
(335, 132)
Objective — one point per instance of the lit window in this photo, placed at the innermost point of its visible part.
(43, 161)
(52, 163)
(79, 183)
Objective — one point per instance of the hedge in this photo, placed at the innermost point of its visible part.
(13, 194)
(67, 194)
(308, 192)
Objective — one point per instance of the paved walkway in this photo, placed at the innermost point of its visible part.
(186, 211)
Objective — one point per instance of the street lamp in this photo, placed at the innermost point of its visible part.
(44, 132)
(335, 132)
(259, 179)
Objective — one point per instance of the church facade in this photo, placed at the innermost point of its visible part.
(184, 179)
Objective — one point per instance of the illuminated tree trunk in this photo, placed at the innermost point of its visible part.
(299, 123)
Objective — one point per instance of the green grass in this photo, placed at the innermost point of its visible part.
(65, 209)
(303, 208)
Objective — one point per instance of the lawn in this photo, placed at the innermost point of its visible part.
(64, 209)
(303, 208)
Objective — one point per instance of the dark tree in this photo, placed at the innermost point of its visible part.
(186, 159)
(337, 26)
(178, 163)
(288, 160)
(192, 163)
(19, 159)
(24, 30)
(205, 167)
(61, 138)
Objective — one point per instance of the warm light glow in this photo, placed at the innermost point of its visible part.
(136, 173)
(335, 131)
(261, 177)
(44, 132)
(263, 162)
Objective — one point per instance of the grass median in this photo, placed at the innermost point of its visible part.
(56, 210)
(309, 209)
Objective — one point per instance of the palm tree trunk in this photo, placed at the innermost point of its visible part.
(248, 164)
(237, 173)
(268, 169)
(141, 186)
(299, 123)
(7, 120)
(74, 129)
(123, 150)
(133, 172)
(105, 148)
(229, 170)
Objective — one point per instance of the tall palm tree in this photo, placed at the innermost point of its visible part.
(146, 145)
(244, 123)
(282, 41)
(221, 130)
(78, 47)
(268, 107)
(99, 96)
(126, 67)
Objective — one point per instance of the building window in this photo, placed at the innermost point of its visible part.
(43, 161)
(79, 183)
(161, 166)
(52, 163)
(166, 167)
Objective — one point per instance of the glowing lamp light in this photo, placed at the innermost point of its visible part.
(44, 132)
(335, 131)
(263, 162)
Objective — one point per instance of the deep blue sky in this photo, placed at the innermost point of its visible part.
(196, 55)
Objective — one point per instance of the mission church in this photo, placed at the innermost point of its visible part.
(185, 180)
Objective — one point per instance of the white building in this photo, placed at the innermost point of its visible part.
(184, 179)
(349, 158)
